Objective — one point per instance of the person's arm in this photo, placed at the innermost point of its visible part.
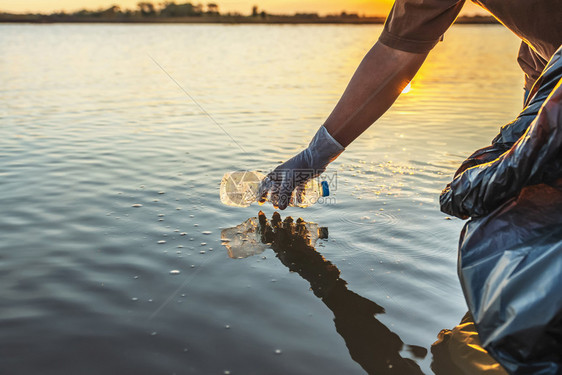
(377, 82)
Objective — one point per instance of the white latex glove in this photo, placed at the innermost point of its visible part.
(295, 172)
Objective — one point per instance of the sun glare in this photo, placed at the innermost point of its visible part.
(407, 88)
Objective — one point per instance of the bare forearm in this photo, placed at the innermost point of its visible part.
(377, 82)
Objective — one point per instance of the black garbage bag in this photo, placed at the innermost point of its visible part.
(526, 152)
(510, 252)
(510, 268)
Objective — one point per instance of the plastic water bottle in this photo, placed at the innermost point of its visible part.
(240, 189)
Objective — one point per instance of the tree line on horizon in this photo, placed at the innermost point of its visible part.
(150, 9)
(169, 11)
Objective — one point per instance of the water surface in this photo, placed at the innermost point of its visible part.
(109, 181)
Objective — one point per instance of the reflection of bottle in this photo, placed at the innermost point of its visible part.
(245, 239)
(240, 189)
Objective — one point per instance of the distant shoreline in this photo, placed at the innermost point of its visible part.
(220, 19)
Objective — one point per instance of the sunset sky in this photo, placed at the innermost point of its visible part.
(367, 7)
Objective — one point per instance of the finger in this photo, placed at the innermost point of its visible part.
(285, 191)
(274, 194)
(283, 202)
(263, 190)
(269, 189)
(298, 195)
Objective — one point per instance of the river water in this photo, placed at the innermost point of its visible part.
(113, 141)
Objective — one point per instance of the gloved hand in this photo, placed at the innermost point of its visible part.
(295, 172)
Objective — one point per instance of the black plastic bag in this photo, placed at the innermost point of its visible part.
(510, 252)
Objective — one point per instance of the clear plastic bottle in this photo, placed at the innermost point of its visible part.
(240, 189)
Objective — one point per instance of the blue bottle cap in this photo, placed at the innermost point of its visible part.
(325, 188)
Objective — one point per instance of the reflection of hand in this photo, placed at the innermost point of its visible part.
(293, 243)
(295, 172)
(370, 343)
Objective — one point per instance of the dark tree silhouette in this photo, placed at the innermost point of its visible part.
(172, 9)
(146, 9)
(212, 8)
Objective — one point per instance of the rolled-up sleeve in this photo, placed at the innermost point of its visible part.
(531, 64)
(417, 25)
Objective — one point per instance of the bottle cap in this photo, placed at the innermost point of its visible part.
(325, 188)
